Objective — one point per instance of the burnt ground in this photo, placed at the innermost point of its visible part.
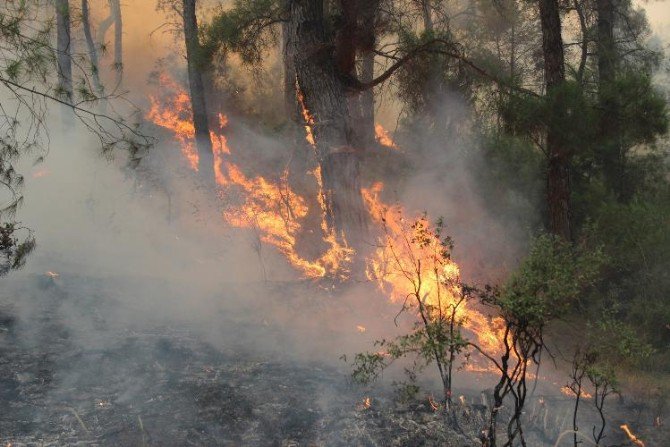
(94, 382)
(74, 372)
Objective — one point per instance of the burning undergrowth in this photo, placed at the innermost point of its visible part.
(277, 213)
(176, 332)
(75, 374)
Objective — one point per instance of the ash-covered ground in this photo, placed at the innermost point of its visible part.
(71, 376)
(76, 370)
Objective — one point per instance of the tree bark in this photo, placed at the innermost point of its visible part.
(115, 8)
(92, 48)
(369, 12)
(367, 100)
(612, 156)
(558, 173)
(64, 50)
(195, 62)
(324, 97)
(288, 59)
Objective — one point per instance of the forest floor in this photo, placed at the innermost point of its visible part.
(167, 386)
(69, 375)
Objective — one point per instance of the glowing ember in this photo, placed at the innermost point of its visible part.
(434, 405)
(367, 403)
(52, 275)
(384, 138)
(569, 392)
(634, 439)
(269, 207)
(440, 288)
(361, 329)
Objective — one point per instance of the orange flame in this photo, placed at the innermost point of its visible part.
(570, 392)
(306, 116)
(367, 403)
(177, 118)
(434, 405)
(384, 138)
(269, 207)
(338, 253)
(634, 439)
(395, 256)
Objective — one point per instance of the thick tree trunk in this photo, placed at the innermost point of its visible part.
(324, 97)
(558, 174)
(63, 50)
(367, 101)
(288, 59)
(369, 12)
(92, 48)
(606, 46)
(194, 59)
(115, 8)
(612, 156)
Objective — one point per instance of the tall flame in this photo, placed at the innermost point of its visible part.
(269, 207)
(177, 118)
(396, 261)
(338, 250)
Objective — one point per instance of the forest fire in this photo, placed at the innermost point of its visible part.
(566, 390)
(365, 404)
(176, 118)
(634, 439)
(222, 223)
(384, 138)
(269, 207)
(401, 267)
(306, 116)
(277, 213)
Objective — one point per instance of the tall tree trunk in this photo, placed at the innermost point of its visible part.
(436, 101)
(288, 60)
(610, 148)
(103, 27)
(115, 8)
(195, 62)
(92, 48)
(426, 12)
(324, 97)
(558, 174)
(64, 50)
(367, 100)
(369, 11)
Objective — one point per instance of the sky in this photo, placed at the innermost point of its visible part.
(658, 13)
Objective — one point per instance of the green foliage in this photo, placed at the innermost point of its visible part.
(635, 237)
(13, 252)
(368, 366)
(565, 109)
(424, 81)
(641, 111)
(548, 282)
(512, 177)
(247, 29)
(420, 258)
(620, 343)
